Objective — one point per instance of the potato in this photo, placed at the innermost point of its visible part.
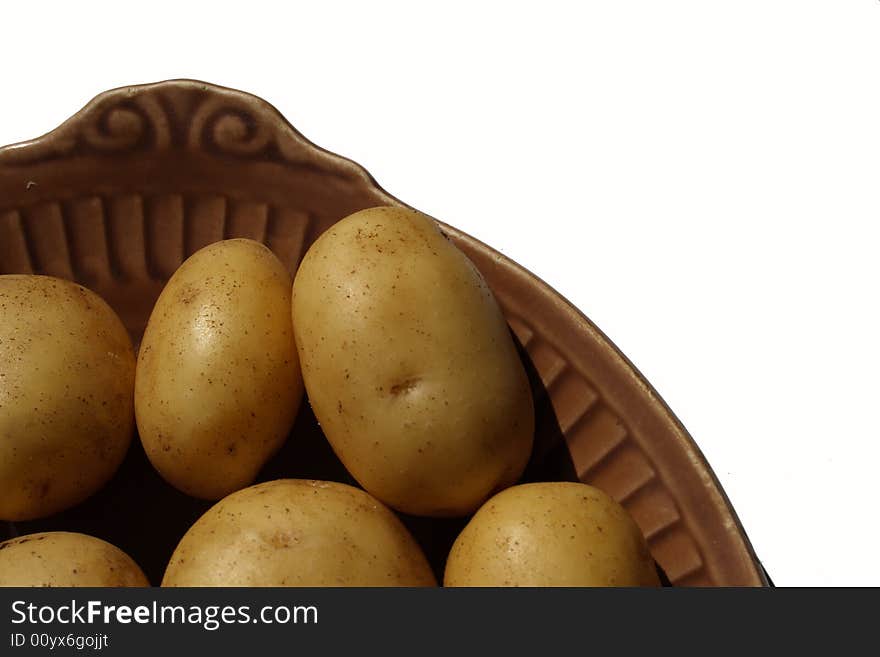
(551, 534)
(294, 532)
(218, 383)
(409, 364)
(66, 559)
(66, 380)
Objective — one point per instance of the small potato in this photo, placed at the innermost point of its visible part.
(218, 383)
(294, 532)
(409, 364)
(66, 559)
(551, 534)
(66, 381)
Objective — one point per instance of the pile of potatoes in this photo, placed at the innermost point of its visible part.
(409, 367)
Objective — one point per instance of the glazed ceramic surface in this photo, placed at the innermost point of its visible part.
(119, 195)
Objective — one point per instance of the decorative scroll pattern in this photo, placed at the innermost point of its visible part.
(189, 117)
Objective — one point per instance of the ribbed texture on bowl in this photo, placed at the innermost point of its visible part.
(123, 192)
(126, 246)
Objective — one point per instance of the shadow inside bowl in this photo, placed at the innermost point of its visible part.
(550, 459)
(137, 511)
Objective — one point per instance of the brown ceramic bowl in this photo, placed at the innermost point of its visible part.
(143, 176)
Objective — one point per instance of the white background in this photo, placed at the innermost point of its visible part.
(706, 175)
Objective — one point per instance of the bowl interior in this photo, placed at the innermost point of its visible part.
(118, 196)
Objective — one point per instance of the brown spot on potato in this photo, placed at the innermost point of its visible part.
(282, 539)
(188, 294)
(404, 387)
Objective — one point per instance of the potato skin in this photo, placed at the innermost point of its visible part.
(409, 364)
(294, 532)
(66, 381)
(551, 534)
(66, 559)
(218, 383)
